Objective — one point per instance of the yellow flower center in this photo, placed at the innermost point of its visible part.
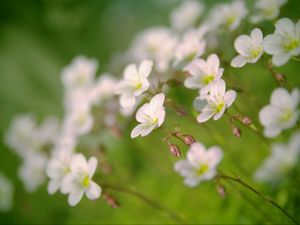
(203, 169)
(208, 78)
(230, 20)
(86, 181)
(292, 44)
(254, 53)
(138, 86)
(286, 116)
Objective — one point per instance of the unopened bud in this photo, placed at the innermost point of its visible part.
(221, 190)
(236, 132)
(280, 78)
(110, 200)
(174, 149)
(188, 139)
(246, 120)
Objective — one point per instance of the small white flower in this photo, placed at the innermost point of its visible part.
(215, 103)
(79, 181)
(200, 165)
(32, 171)
(283, 158)
(266, 10)
(157, 44)
(190, 47)
(186, 14)
(135, 83)
(57, 168)
(250, 48)
(282, 112)
(80, 73)
(150, 116)
(6, 194)
(203, 73)
(228, 15)
(103, 89)
(79, 120)
(284, 43)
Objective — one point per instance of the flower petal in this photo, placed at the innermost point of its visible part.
(229, 97)
(280, 59)
(145, 68)
(92, 165)
(238, 61)
(75, 197)
(94, 191)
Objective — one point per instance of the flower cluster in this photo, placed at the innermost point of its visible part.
(187, 54)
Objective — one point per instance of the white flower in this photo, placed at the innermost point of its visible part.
(79, 181)
(266, 10)
(228, 15)
(283, 158)
(57, 168)
(215, 103)
(6, 193)
(190, 47)
(80, 73)
(135, 83)
(282, 112)
(32, 171)
(250, 48)
(203, 73)
(79, 120)
(157, 44)
(284, 43)
(103, 89)
(150, 116)
(186, 14)
(200, 165)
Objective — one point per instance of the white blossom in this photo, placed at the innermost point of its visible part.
(186, 14)
(284, 43)
(203, 73)
(281, 113)
(57, 168)
(150, 116)
(228, 15)
(80, 73)
(6, 193)
(103, 89)
(32, 171)
(79, 181)
(192, 46)
(157, 44)
(215, 103)
(250, 48)
(266, 10)
(282, 160)
(135, 83)
(200, 165)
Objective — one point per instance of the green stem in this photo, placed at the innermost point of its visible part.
(296, 59)
(258, 193)
(144, 198)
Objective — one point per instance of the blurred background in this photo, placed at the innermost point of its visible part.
(39, 37)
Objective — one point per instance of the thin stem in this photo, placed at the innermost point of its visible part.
(296, 59)
(258, 193)
(144, 198)
(252, 128)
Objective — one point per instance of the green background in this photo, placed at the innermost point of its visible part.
(39, 37)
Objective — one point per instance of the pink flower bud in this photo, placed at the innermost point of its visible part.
(236, 132)
(188, 139)
(246, 120)
(174, 149)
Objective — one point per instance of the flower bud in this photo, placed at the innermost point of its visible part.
(246, 120)
(221, 190)
(280, 78)
(188, 139)
(174, 149)
(236, 132)
(110, 200)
